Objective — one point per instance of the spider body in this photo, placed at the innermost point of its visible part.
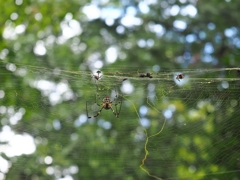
(107, 104)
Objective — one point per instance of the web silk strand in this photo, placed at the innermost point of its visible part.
(147, 139)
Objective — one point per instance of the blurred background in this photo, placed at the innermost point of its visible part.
(50, 52)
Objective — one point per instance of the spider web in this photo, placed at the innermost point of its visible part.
(167, 129)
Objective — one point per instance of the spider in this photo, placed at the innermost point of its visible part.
(179, 76)
(107, 104)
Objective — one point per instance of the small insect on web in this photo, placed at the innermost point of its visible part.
(98, 76)
(144, 75)
(107, 104)
(179, 76)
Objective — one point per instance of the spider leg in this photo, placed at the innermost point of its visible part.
(116, 107)
(116, 114)
(96, 99)
(120, 102)
(87, 110)
(116, 96)
(99, 112)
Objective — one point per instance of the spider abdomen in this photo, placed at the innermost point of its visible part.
(107, 103)
(106, 106)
